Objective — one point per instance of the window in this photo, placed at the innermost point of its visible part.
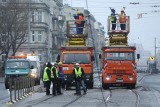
(3, 38)
(39, 35)
(4, 0)
(83, 58)
(33, 36)
(120, 56)
(39, 16)
(54, 24)
(32, 16)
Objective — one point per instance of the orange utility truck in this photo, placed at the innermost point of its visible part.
(77, 50)
(118, 58)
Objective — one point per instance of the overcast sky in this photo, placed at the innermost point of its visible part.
(143, 30)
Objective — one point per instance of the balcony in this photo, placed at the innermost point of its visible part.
(39, 6)
(39, 25)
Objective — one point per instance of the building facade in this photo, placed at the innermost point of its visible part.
(44, 26)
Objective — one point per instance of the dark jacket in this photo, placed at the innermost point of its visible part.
(54, 72)
(60, 73)
(78, 78)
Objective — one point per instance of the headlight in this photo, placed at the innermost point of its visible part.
(87, 76)
(130, 77)
(108, 77)
(33, 74)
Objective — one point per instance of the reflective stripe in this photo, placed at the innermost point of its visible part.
(52, 76)
(79, 20)
(45, 75)
(78, 73)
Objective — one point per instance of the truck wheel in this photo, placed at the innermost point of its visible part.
(133, 86)
(90, 85)
(6, 85)
(38, 81)
(105, 86)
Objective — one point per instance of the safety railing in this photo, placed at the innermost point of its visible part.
(119, 27)
(76, 30)
(20, 87)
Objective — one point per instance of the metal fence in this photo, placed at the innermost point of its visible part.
(20, 87)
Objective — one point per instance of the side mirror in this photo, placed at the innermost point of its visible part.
(138, 56)
(100, 56)
(2, 68)
(32, 67)
(58, 57)
(92, 58)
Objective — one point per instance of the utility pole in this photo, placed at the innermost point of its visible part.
(155, 61)
(29, 24)
(156, 53)
(155, 48)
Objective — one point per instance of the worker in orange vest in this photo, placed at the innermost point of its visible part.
(122, 20)
(79, 22)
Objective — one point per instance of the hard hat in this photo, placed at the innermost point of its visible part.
(60, 63)
(78, 12)
(122, 10)
(77, 64)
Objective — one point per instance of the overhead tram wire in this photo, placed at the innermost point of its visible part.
(95, 54)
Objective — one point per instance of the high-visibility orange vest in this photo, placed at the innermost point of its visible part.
(79, 20)
(122, 19)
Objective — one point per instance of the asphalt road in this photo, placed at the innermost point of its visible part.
(146, 94)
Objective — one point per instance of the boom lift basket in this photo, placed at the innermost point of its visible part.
(74, 38)
(118, 39)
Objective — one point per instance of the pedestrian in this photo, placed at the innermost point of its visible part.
(79, 74)
(122, 20)
(60, 79)
(54, 77)
(47, 77)
(113, 18)
(79, 22)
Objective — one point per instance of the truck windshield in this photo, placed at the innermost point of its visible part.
(34, 64)
(17, 64)
(119, 56)
(79, 58)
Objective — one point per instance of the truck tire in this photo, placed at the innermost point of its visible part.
(6, 85)
(105, 86)
(90, 85)
(131, 86)
(38, 81)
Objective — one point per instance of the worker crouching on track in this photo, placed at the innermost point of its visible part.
(78, 74)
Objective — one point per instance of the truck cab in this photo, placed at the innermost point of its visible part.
(81, 55)
(119, 66)
(35, 72)
(16, 66)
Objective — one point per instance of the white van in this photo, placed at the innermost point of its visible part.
(35, 72)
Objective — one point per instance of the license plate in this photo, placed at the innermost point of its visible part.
(65, 68)
(119, 80)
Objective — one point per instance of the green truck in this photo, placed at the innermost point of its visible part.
(16, 66)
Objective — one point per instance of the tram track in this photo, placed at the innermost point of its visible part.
(137, 98)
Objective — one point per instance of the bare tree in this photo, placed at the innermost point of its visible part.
(13, 27)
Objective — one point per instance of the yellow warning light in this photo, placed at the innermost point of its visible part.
(151, 58)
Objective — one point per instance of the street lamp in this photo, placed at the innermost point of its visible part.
(155, 54)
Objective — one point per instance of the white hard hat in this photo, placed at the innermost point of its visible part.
(77, 64)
